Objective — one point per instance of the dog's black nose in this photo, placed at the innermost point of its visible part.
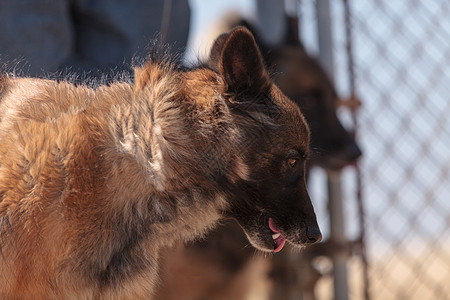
(313, 234)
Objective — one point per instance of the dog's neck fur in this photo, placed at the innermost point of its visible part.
(151, 142)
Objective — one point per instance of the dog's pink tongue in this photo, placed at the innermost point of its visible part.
(279, 241)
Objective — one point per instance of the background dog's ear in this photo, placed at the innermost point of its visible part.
(241, 63)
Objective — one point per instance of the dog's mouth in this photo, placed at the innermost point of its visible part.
(278, 239)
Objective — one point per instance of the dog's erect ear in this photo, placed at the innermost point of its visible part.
(216, 51)
(240, 62)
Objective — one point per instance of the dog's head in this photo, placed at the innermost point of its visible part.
(272, 205)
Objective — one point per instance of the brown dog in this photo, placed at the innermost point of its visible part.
(93, 182)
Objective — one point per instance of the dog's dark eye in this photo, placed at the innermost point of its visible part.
(292, 162)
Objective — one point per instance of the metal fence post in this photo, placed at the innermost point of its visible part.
(335, 201)
(337, 234)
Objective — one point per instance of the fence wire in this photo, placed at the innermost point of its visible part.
(402, 68)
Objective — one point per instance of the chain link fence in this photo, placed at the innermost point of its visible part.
(401, 52)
